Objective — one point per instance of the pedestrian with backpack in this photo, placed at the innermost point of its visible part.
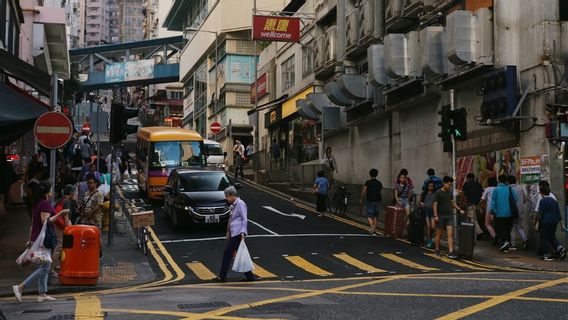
(43, 212)
(321, 188)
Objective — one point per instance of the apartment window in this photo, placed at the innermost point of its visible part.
(201, 87)
(307, 59)
(245, 47)
(563, 8)
(288, 74)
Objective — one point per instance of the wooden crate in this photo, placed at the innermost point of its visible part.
(142, 219)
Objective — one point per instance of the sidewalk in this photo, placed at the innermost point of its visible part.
(123, 263)
(484, 251)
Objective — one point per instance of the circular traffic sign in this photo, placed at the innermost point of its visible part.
(53, 130)
(215, 127)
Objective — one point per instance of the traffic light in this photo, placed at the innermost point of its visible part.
(499, 90)
(445, 126)
(459, 123)
(119, 127)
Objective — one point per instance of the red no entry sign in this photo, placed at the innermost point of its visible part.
(53, 130)
(215, 127)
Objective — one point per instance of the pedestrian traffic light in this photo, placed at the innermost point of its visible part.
(445, 127)
(459, 123)
(499, 90)
(119, 127)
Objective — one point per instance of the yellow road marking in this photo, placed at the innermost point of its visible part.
(201, 271)
(263, 273)
(500, 299)
(421, 277)
(308, 266)
(161, 264)
(185, 315)
(406, 262)
(226, 310)
(456, 263)
(179, 273)
(88, 308)
(357, 263)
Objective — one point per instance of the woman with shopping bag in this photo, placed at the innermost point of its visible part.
(236, 233)
(43, 213)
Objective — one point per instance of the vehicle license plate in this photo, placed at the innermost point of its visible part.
(212, 219)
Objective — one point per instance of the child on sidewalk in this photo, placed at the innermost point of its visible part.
(321, 187)
(372, 194)
(546, 222)
(427, 203)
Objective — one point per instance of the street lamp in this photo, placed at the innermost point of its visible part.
(192, 29)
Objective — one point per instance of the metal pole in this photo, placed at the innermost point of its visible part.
(112, 199)
(53, 103)
(216, 77)
(98, 135)
(454, 175)
(257, 129)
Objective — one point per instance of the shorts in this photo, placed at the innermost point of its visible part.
(443, 222)
(372, 209)
(428, 212)
(404, 203)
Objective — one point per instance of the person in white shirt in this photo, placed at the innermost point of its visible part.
(486, 203)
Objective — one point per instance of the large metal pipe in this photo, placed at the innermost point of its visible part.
(379, 19)
(341, 28)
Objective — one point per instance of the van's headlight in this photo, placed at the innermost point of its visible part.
(221, 165)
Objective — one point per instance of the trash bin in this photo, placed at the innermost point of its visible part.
(80, 255)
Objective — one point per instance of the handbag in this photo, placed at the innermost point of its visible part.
(50, 239)
(513, 205)
(243, 262)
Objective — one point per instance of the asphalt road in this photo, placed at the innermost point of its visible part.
(311, 268)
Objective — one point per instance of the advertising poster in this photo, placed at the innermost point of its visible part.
(489, 164)
(240, 69)
(139, 70)
(114, 72)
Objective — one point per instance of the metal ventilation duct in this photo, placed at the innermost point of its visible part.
(414, 53)
(376, 58)
(317, 101)
(304, 111)
(484, 36)
(434, 61)
(332, 91)
(395, 55)
(353, 86)
(460, 26)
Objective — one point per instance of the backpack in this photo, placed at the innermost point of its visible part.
(50, 240)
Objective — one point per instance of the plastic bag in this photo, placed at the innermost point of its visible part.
(243, 262)
(37, 253)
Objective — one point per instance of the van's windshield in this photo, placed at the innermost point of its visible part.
(214, 149)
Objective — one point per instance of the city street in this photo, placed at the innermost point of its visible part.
(310, 268)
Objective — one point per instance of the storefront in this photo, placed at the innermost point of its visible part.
(295, 136)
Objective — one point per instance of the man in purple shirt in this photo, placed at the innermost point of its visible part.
(236, 231)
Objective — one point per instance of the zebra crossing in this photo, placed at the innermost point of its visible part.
(347, 265)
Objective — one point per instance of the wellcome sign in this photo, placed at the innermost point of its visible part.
(274, 28)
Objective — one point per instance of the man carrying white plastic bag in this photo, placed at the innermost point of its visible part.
(236, 233)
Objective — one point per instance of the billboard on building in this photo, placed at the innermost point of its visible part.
(262, 88)
(129, 71)
(272, 28)
(489, 164)
(239, 68)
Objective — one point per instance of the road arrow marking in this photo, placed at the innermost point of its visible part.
(284, 214)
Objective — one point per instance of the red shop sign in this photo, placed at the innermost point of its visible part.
(273, 28)
(262, 90)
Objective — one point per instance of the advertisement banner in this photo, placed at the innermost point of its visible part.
(129, 71)
(272, 28)
(262, 88)
(489, 164)
(530, 169)
(239, 69)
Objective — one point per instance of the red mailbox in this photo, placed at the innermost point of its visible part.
(80, 255)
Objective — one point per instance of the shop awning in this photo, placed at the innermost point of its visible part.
(23, 71)
(18, 113)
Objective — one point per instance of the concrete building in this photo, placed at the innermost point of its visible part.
(389, 66)
(132, 15)
(96, 22)
(225, 25)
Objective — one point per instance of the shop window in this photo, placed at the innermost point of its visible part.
(288, 74)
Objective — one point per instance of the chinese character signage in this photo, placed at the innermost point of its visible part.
(273, 28)
(530, 169)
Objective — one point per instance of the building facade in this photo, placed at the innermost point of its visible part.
(388, 67)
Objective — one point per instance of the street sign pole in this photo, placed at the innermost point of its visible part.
(454, 174)
(53, 103)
